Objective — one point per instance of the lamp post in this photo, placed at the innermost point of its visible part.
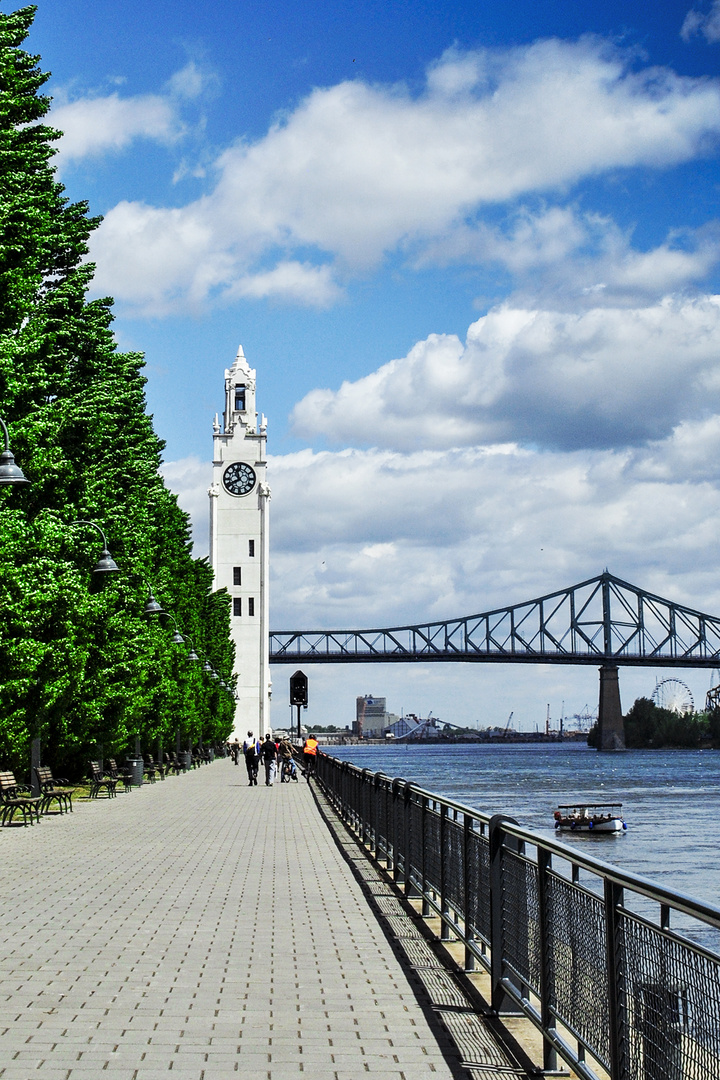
(105, 564)
(177, 638)
(192, 655)
(10, 473)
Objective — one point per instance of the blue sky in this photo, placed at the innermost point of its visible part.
(472, 252)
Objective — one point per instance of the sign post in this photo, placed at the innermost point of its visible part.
(299, 694)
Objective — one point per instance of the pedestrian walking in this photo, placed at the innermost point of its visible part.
(251, 750)
(268, 753)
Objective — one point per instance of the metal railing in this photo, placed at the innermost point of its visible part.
(582, 949)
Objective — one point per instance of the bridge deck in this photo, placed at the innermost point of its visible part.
(197, 928)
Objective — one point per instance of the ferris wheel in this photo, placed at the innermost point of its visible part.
(673, 694)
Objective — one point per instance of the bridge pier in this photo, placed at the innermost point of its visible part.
(610, 719)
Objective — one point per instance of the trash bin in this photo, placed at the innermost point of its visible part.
(134, 766)
(211, 754)
(186, 759)
(663, 1015)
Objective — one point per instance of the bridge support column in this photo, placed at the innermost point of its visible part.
(610, 720)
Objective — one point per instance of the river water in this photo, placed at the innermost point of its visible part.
(671, 798)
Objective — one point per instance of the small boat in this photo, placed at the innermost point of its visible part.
(596, 818)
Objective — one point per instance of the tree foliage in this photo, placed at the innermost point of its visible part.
(79, 665)
(649, 727)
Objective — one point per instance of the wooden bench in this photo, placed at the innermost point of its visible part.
(99, 781)
(51, 792)
(115, 774)
(14, 796)
(173, 764)
(153, 769)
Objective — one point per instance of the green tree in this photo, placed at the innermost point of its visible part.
(648, 726)
(79, 664)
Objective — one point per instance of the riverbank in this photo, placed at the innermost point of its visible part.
(450, 740)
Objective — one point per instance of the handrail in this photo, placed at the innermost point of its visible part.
(611, 989)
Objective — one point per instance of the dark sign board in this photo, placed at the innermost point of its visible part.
(298, 689)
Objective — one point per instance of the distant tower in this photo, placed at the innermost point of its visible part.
(239, 542)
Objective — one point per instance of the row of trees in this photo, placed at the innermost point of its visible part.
(79, 665)
(649, 727)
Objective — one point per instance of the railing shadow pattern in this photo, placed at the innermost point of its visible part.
(580, 948)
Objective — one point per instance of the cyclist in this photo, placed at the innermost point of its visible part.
(310, 755)
(288, 771)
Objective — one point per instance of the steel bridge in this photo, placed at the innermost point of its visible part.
(603, 621)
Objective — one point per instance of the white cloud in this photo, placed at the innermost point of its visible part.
(705, 23)
(190, 82)
(601, 377)
(356, 171)
(94, 126)
(96, 123)
(379, 538)
(189, 478)
(293, 281)
(580, 254)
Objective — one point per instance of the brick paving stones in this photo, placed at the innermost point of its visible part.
(196, 929)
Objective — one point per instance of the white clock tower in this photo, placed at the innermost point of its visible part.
(239, 542)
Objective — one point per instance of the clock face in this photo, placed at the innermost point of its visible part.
(239, 478)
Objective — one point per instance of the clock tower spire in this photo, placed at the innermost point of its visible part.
(239, 542)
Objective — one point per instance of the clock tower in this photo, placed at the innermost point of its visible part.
(239, 542)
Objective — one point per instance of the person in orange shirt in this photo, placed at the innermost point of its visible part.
(309, 755)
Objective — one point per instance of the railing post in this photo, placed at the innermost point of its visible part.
(445, 914)
(363, 809)
(547, 990)
(398, 854)
(499, 999)
(377, 782)
(407, 802)
(423, 882)
(351, 787)
(342, 793)
(467, 894)
(616, 981)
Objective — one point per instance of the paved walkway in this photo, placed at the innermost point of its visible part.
(200, 928)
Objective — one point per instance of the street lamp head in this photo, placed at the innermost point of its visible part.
(192, 656)
(106, 564)
(10, 473)
(177, 638)
(207, 667)
(151, 605)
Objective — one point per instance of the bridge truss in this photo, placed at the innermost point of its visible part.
(601, 621)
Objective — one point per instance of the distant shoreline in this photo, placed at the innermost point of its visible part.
(472, 738)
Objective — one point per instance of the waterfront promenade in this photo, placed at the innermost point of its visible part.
(198, 928)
